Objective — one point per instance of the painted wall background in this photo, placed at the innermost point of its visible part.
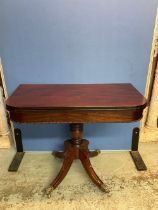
(82, 41)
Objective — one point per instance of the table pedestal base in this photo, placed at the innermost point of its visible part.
(76, 148)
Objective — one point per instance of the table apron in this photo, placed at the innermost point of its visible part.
(75, 116)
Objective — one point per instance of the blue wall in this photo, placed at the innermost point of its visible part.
(82, 41)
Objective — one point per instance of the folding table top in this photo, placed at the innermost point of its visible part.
(75, 96)
(75, 103)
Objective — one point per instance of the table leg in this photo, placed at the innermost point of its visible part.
(58, 154)
(94, 153)
(137, 159)
(68, 159)
(84, 157)
(19, 154)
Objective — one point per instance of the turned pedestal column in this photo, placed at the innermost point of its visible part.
(76, 148)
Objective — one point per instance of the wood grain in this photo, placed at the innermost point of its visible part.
(89, 96)
(80, 103)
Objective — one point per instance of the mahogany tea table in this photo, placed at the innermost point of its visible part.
(76, 104)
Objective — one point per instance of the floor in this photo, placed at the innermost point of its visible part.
(129, 189)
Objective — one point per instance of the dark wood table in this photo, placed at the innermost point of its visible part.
(76, 104)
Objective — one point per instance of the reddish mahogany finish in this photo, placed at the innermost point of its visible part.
(76, 148)
(89, 96)
(75, 103)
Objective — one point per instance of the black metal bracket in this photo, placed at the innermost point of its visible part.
(137, 159)
(19, 154)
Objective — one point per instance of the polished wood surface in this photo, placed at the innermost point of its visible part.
(77, 116)
(75, 103)
(76, 148)
(89, 96)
